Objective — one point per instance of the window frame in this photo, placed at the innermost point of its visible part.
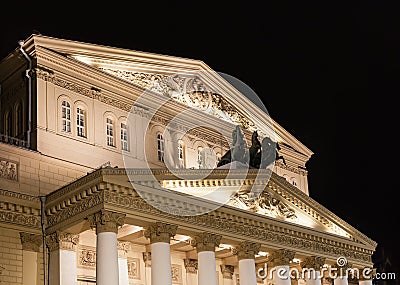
(160, 147)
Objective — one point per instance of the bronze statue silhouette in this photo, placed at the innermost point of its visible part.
(255, 151)
(269, 152)
(238, 152)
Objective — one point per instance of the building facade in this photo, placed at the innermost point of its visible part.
(111, 173)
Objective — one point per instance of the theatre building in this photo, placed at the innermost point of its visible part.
(126, 167)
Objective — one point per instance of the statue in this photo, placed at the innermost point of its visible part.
(238, 152)
(255, 151)
(269, 152)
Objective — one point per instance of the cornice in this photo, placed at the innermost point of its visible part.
(230, 223)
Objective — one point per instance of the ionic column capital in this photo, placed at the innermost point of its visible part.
(30, 242)
(106, 221)
(160, 232)
(246, 250)
(281, 257)
(62, 240)
(315, 262)
(206, 241)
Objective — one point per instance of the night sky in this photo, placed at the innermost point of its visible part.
(323, 72)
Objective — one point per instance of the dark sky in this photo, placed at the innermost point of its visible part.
(321, 69)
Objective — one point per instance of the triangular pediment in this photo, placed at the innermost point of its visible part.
(175, 77)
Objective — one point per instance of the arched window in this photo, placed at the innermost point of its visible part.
(8, 124)
(19, 117)
(66, 116)
(110, 132)
(181, 154)
(81, 122)
(160, 147)
(124, 136)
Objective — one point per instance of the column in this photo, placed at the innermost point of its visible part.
(123, 248)
(311, 266)
(147, 266)
(366, 275)
(341, 273)
(246, 252)
(31, 244)
(106, 224)
(160, 235)
(280, 260)
(227, 274)
(191, 266)
(205, 244)
(62, 258)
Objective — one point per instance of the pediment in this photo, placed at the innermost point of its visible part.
(187, 81)
(275, 199)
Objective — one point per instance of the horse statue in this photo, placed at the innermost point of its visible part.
(255, 151)
(238, 152)
(269, 152)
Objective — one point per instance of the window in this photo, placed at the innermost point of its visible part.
(8, 124)
(181, 154)
(80, 122)
(19, 124)
(66, 116)
(110, 132)
(124, 136)
(160, 147)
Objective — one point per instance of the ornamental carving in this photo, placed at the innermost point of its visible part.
(227, 271)
(160, 232)
(315, 262)
(123, 248)
(8, 170)
(191, 265)
(147, 258)
(246, 250)
(176, 273)
(190, 91)
(87, 257)
(20, 219)
(205, 241)
(106, 221)
(31, 242)
(264, 203)
(133, 268)
(62, 240)
(281, 257)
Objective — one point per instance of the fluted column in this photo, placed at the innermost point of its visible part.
(205, 244)
(160, 235)
(31, 245)
(246, 252)
(280, 260)
(366, 275)
(106, 224)
(62, 259)
(312, 268)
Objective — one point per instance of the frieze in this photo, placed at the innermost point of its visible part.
(245, 228)
(20, 219)
(74, 210)
(87, 257)
(19, 196)
(8, 169)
